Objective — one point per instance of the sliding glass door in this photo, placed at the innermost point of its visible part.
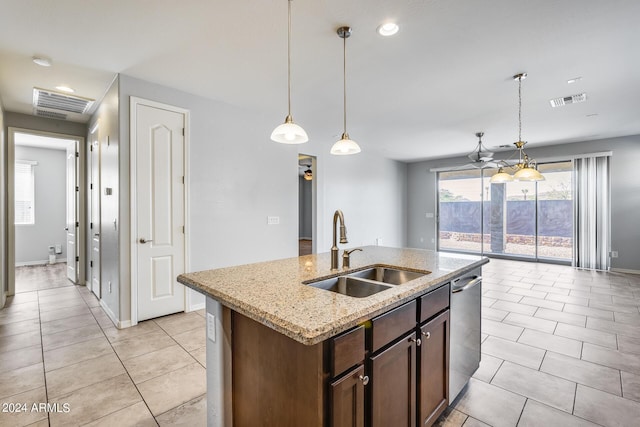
(515, 219)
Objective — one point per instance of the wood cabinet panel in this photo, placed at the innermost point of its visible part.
(391, 325)
(347, 399)
(393, 385)
(434, 302)
(433, 387)
(347, 350)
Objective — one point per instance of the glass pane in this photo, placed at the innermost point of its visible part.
(459, 207)
(555, 211)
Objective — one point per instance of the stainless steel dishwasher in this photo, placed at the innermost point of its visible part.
(465, 306)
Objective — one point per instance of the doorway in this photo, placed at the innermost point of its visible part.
(44, 210)
(307, 184)
(158, 204)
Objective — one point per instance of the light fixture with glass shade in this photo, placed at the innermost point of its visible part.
(289, 132)
(308, 174)
(525, 168)
(345, 145)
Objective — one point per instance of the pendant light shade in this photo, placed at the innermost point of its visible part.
(289, 132)
(501, 177)
(345, 145)
(528, 174)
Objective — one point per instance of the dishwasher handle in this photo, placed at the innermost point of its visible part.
(467, 283)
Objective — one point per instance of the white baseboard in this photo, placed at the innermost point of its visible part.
(124, 324)
(196, 307)
(109, 313)
(41, 262)
(624, 270)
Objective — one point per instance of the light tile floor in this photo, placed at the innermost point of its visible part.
(57, 346)
(561, 347)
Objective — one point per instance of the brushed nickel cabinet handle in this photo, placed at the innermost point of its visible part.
(364, 379)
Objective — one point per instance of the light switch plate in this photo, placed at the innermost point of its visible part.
(211, 327)
(273, 220)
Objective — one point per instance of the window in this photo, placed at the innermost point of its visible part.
(516, 219)
(25, 192)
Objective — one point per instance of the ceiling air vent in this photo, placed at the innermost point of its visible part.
(573, 99)
(50, 114)
(51, 100)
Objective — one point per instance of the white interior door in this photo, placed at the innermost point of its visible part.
(72, 224)
(94, 227)
(160, 209)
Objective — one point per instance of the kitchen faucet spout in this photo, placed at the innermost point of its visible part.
(343, 237)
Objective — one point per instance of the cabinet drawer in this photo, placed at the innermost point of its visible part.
(434, 302)
(347, 350)
(391, 325)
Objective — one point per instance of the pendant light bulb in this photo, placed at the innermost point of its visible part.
(289, 132)
(345, 146)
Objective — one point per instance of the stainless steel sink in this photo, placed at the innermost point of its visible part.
(391, 276)
(350, 286)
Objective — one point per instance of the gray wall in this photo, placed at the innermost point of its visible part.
(3, 221)
(625, 194)
(108, 136)
(238, 178)
(32, 241)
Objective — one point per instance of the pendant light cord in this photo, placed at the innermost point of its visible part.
(519, 108)
(289, 60)
(344, 75)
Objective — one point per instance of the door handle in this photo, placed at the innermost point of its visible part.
(66, 229)
(96, 234)
(143, 240)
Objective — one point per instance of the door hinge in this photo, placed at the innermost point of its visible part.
(183, 229)
(77, 188)
(77, 154)
(77, 224)
(91, 226)
(91, 186)
(91, 147)
(77, 258)
(183, 179)
(182, 131)
(91, 264)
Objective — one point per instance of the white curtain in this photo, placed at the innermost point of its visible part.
(591, 235)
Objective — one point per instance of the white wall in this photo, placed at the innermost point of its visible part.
(625, 194)
(32, 241)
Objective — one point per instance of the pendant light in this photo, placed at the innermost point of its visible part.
(289, 132)
(345, 145)
(526, 168)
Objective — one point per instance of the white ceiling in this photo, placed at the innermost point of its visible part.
(420, 94)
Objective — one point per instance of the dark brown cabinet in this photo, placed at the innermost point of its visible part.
(393, 384)
(347, 399)
(389, 371)
(433, 369)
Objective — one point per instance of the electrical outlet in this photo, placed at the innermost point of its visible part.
(614, 254)
(211, 327)
(429, 215)
(273, 220)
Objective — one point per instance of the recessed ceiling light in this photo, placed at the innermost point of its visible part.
(574, 80)
(388, 29)
(43, 62)
(66, 89)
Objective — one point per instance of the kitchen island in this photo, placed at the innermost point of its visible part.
(284, 347)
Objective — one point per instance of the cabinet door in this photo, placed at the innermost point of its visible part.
(347, 399)
(434, 369)
(393, 385)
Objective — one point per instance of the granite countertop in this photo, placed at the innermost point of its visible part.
(273, 294)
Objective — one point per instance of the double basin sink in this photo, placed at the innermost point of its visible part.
(367, 282)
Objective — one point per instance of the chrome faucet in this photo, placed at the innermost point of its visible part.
(343, 237)
(345, 257)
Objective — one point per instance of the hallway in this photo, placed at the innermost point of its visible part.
(57, 346)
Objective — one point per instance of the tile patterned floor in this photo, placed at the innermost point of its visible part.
(561, 347)
(57, 346)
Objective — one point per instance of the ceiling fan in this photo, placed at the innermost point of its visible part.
(481, 157)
